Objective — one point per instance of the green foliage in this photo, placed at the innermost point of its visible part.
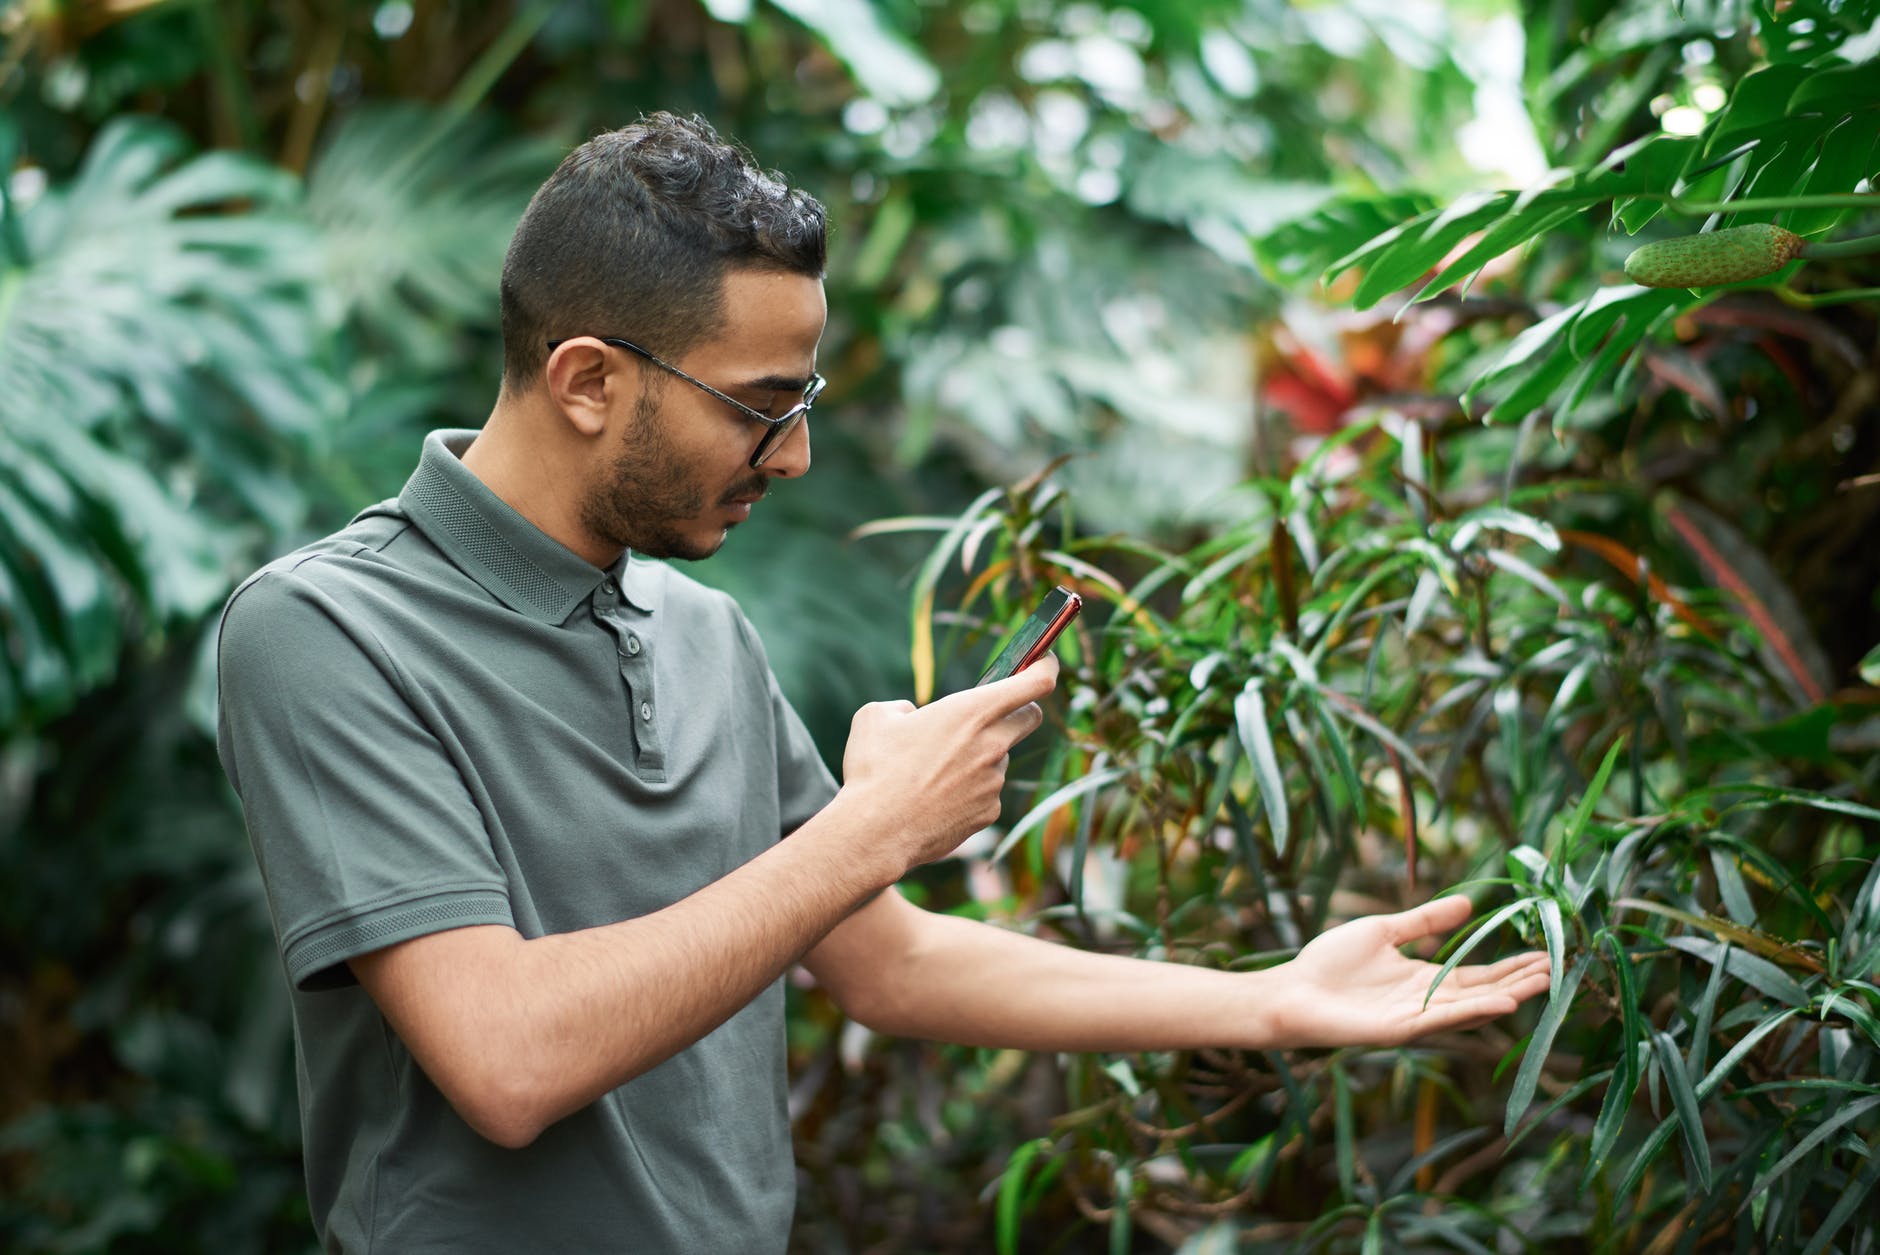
(1787, 126)
(250, 253)
(138, 325)
(1364, 673)
(1572, 680)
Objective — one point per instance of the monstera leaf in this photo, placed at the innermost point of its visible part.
(157, 341)
(414, 209)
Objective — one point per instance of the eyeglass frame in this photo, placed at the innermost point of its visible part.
(778, 427)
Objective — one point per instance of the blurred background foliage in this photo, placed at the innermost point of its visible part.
(1121, 295)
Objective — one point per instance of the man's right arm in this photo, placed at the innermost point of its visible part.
(518, 1033)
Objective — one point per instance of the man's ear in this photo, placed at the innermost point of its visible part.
(583, 378)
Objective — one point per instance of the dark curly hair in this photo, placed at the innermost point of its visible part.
(632, 236)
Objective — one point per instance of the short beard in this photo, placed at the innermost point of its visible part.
(645, 494)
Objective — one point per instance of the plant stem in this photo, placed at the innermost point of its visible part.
(304, 125)
(1765, 204)
(496, 59)
(1802, 300)
(1859, 246)
(475, 85)
(234, 108)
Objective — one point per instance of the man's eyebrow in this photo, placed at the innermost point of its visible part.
(776, 383)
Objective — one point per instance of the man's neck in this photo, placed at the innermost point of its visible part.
(532, 463)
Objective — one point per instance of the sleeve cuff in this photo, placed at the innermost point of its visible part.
(317, 960)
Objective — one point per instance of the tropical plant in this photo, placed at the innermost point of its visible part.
(221, 333)
(138, 346)
(1565, 675)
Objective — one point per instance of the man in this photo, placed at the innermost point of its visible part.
(539, 832)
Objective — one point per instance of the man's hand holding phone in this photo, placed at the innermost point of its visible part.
(938, 770)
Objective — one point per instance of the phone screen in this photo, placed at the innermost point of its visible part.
(1028, 644)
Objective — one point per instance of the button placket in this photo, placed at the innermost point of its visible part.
(633, 651)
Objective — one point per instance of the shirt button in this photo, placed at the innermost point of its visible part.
(646, 711)
(633, 644)
(609, 587)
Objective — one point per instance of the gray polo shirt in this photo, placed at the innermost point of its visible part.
(439, 717)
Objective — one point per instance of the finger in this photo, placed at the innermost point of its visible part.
(1525, 987)
(1514, 965)
(1004, 696)
(1022, 722)
(1439, 916)
(1462, 1013)
(1521, 984)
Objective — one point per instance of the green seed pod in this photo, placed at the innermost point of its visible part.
(1715, 257)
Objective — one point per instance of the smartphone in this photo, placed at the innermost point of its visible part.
(1028, 644)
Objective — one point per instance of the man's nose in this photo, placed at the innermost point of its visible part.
(790, 459)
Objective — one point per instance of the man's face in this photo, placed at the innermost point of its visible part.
(680, 476)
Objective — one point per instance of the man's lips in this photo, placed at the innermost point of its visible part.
(749, 497)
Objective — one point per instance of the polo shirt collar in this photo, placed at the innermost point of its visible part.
(514, 560)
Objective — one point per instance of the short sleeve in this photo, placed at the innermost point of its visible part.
(365, 831)
(804, 785)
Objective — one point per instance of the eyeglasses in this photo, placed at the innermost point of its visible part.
(778, 428)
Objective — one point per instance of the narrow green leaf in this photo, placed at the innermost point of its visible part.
(1341, 755)
(1559, 1002)
(1256, 737)
(1759, 974)
(1011, 1191)
(1765, 795)
(1643, 1159)
(1849, 1204)
(1684, 1102)
(1730, 886)
(1042, 811)
(1612, 1112)
(1528, 574)
(1572, 1094)
(1706, 1012)
(1525, 362)
(1120, 1214)
(1556, 943)
(1342, 1132)
(1404, 1176)
(1630, 1019)
(1576, 824)
(1351, 712)
(927, 581)
(1841, 1003)
(1820, 1133)
(1502, 519)
(1606, 309)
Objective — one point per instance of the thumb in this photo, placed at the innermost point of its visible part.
(1438, 916)
(1032, 684)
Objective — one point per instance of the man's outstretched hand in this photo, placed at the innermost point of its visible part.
(1351, 987)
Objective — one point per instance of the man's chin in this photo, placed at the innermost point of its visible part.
(687, 548)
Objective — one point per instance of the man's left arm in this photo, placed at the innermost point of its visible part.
(908, 972)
